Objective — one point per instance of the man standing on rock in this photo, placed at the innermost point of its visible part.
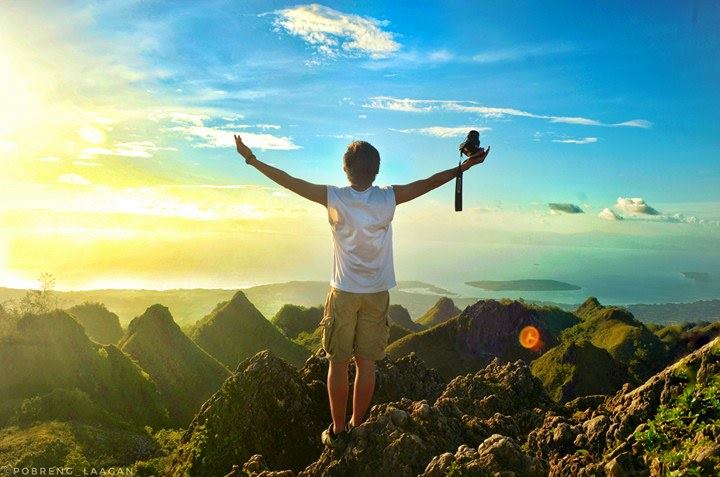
(355, 323)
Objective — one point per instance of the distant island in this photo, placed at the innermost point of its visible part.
(697, 276)
(523, 285)
(418, 286)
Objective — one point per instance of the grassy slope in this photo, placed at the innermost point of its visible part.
(625, 338)
(574, 369)
(441, 311)
(236, 330)
(53, 349)
(186, 375)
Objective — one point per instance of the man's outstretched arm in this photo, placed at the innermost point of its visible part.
(314, 192)
(413, 190)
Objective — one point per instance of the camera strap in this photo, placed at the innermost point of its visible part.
(458, 188)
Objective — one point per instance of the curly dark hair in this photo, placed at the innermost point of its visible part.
(361, 162)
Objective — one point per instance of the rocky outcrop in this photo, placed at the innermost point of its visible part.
(267, 393)
(266, 408)
(496, 454)
(468, 342)
(602, 440)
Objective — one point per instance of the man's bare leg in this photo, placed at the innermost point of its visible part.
(363, 389)
(337, 385)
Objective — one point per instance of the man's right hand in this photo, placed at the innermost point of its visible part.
(243, 150)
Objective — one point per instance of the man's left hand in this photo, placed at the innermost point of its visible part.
(477, 158)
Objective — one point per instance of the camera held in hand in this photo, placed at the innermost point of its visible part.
(471, 144)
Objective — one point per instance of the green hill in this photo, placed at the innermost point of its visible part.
(294, 319)
(186, 376)
(81, 446)
(101, 324)
(400, 316)
(49, 351)
(466, 343)
(680, 340)
(441, 311)
(617, 331)
(236, 330)
(573, 369)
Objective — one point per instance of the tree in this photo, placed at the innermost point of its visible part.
(41, 300)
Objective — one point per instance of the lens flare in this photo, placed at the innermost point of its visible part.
(530, 338)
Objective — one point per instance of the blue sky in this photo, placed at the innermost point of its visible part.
(657, 62)
(610, 107)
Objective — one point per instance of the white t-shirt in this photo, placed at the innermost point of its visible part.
(362, 238)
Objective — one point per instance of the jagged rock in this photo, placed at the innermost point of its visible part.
(263, 408)
(400, 438)
(257, 467)
(604, 440)
(584, 403)
(397, 439)
(497, 454)
(507, 389)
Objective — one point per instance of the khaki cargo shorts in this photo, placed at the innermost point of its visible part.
(355, 324)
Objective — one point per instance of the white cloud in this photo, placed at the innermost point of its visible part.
(204, 136)
(635, 205)
(426, 105)
(636, 123)
(193, 127)
(125, 149)
(86, 164)
(180, 117)
(585, 140)
(609, 214)
(74, 179)
(396, 104)
(442, 131)
(49, 159)
(332, 33)
(636, 209)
